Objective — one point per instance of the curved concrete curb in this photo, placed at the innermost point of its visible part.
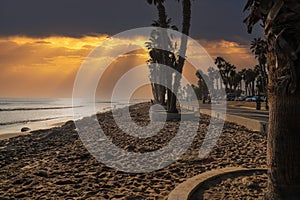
(185, 190)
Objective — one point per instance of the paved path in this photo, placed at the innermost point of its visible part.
(250, 117)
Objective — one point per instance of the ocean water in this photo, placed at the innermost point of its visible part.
(16, 113)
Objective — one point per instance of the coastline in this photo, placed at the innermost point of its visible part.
(10, 134)
(54, 163)
(53, 112)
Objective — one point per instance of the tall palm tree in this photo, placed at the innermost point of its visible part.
(230, 72)
(161, 11)
(158, 59)
(237, 82)
(250, 77)
(220, 62)
(163, 41)
(259, 84)
(211, 72)
(259, 49)
(203, 88)
(234, 81)
(178, 63)
(243, 74)
(281, 22)
(159, 91)
(225, 68)
(155, 67)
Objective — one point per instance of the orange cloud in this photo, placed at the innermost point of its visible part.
(42, 67)
(47, 67)
(239, 55)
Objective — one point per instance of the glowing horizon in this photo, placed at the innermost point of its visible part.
(46, 67)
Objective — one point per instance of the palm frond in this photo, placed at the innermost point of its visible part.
(150, 1)
(274, 12)
(174, 28)
(248, 5)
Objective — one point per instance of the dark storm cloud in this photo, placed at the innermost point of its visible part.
(219, 19)
(211, 19)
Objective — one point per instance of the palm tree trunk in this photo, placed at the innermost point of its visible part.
(264, 82)
(163, 76)
(162, 14)
(281, 20)
(284, 147)
(253, 88)
(283, 155)
(266, 86)
(186, 4)
(283, 142)
(240, 86)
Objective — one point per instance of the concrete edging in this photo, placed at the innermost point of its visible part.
(252, 124)
(185, 190)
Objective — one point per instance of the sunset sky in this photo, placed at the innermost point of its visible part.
(43, 43)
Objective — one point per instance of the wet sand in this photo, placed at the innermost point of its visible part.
(10, 135)
(5, 136)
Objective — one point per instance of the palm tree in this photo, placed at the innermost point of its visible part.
(203, 89)
(161, 12)
(235, 81)
(259, 49)
(250, 77)
(230, 79)
(225, 68)
(171, 60)
(220, 62)
(155, 68)
(259, 84)
(158, 59)
(212, 76)
(281, 22)
(158, 56)
(242, 73)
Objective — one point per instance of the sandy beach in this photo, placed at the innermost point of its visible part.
(11, 135)
(54, 163)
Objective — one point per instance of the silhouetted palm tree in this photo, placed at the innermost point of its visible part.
(234, 81)
(203, 87)
(225, 68)
(161, 12)
(166, 59)
(212, 77)
(220, 62)
(250, 77)
(259, 49)
(242, 73)
(159, 58)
